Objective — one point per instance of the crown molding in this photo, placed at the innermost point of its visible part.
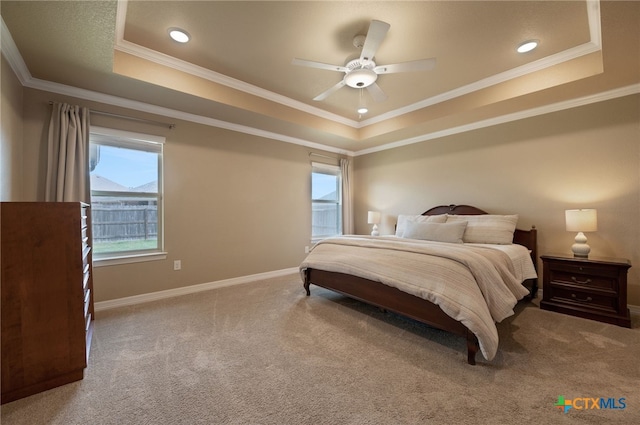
(520, 71)
(594, 45)
(17, 64)
(135, 105)
(200, 72)
(593, 17)
(529, 113)
(179, 65)
(12, 54)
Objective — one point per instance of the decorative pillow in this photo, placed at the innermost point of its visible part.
(438, 232)
(402, 220)
(487, 228)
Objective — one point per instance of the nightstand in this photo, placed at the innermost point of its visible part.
(594, 288)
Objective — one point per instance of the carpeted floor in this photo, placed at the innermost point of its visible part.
(264, 353)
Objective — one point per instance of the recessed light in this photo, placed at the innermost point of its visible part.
(179, 35)
(362, 110)
(527, 46)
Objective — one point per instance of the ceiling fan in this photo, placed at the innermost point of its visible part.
(363, 72)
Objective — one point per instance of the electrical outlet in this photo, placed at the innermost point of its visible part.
(177, 265)
(306, 249)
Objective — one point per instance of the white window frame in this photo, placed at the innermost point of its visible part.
(142, 142)
(321, 168)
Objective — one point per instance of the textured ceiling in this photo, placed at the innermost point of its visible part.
(237, 67)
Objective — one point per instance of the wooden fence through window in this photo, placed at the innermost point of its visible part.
(122, 223)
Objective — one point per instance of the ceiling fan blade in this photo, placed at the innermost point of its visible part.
(418, 65)
(375, 35)
(319, 65)
(376, 92)
(324, 95)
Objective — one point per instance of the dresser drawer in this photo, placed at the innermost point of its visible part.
(84, 214)
(87, 299)
(85, 277)
(85, 256)
(575, 297)
(85, 238)
(87, 322)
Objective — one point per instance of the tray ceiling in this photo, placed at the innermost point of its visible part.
(237, 66)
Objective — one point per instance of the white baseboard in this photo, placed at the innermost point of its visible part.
(169, 293)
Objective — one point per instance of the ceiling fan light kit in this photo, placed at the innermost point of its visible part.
(363, 73)
(362, 106)
(360, 78)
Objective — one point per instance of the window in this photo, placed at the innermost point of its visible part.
(326, 201)
(126, 193)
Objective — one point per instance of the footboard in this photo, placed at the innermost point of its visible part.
(392, 299)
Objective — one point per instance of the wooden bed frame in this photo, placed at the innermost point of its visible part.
(392, 299)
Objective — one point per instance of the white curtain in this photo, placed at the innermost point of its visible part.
(68, 154)
(347, 197)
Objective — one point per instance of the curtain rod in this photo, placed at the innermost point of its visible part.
(110, 114)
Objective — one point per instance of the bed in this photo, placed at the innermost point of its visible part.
(391, 259)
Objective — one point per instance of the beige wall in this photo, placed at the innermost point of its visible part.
(10, 135)
(235, 204)
(587, 157)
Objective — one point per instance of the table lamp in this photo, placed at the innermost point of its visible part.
(373, 217)
(582, 220)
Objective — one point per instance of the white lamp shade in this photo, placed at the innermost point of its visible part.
(582, 220)
(373, 217)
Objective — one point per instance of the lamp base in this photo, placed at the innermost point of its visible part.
(580, 248)
(374, 231)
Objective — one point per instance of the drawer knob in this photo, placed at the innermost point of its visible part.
(574, 296)
(582, 282)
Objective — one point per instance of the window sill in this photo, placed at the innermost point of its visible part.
(137, 258)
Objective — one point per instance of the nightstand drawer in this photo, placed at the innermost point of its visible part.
(584, 267)
(561, 294)
(580, 278)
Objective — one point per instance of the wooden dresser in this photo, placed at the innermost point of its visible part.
(594, 288)
(47, 295)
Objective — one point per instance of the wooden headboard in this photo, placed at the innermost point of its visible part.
(527, 238)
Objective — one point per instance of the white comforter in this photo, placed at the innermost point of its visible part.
(476, 285)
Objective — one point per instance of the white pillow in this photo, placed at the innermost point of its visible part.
(402, 220)
(438, 232)
(487, 228)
